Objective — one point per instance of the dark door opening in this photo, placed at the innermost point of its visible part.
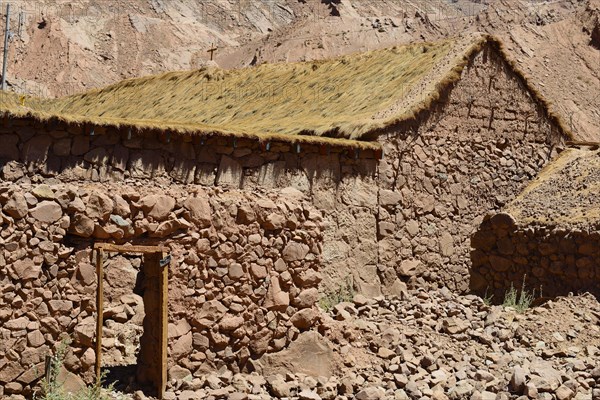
(134, 313)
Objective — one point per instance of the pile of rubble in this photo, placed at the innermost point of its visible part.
(433, 345)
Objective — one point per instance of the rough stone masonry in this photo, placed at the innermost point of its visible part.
(243, 281)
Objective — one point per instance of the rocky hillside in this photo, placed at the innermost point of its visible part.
(64, 47)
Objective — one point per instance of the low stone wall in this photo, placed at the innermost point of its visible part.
(552, 262)
(243, 280)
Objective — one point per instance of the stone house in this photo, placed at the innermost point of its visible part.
(268, 186)
(547, 237)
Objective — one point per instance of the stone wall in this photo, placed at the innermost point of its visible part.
(553, 262)
(441, 176)
(243, 280)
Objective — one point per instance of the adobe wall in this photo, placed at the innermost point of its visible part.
(243, 278)
(553, 262)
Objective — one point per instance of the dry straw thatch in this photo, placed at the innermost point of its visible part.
(566, 192)
(339, 100)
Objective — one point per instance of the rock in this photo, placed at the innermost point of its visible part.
(86, 273)
(517, 380)
(389, 198)
(82, 226)
(310, 277)
(179, 373)
(26, 269)
(409, 267)
(564, 393)
(182, 346)
(71, 383)
(386, 353)
(279, 387)
(236, 271)
(305, 318)
(258, 271)
(99, 206)
(211, 310)
(157, 206)
(447, 244)
(306, 298)
(35, 338)
(231, 323)
(245, 215)
(16, 206)
(200, 212)
(47, 212)
(308, 395)
(309, 354)
(237, 396)
(295, 251)
(412, 227)
(531, 391)
(276, 298)
(43, 192)
(370, 393)
(60, 306)
(274, 221)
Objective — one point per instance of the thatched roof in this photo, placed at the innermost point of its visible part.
(344, 98)
(566, 193)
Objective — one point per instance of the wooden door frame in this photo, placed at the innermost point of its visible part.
(99, 249)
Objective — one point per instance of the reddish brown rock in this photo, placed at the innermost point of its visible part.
(47, 212)
(27, 269)
(200, 212)
(295, 251)
(99, 206)
(16, 206)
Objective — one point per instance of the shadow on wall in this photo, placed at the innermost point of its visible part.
(111, 155)
(553, 262)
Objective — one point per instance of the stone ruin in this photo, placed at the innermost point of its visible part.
(548, 238)
(257, 234)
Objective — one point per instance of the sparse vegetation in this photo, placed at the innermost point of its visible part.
(487, 298)
(52, 386)
(519, 300)
(345, 292)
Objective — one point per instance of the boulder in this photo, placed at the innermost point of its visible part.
(82, 226)
(295, 251)
(47, 212)
(409, 267)
(199, 209)
(16, 206)
(157, 206)
(26, 269)
(305, 318)
(99, 206)
(309, 354)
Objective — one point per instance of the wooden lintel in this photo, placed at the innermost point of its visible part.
(116, 248)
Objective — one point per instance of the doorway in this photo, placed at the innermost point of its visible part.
(151, 369)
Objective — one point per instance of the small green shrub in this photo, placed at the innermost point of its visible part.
(344, 293)
(52, 387)
(519, 300)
